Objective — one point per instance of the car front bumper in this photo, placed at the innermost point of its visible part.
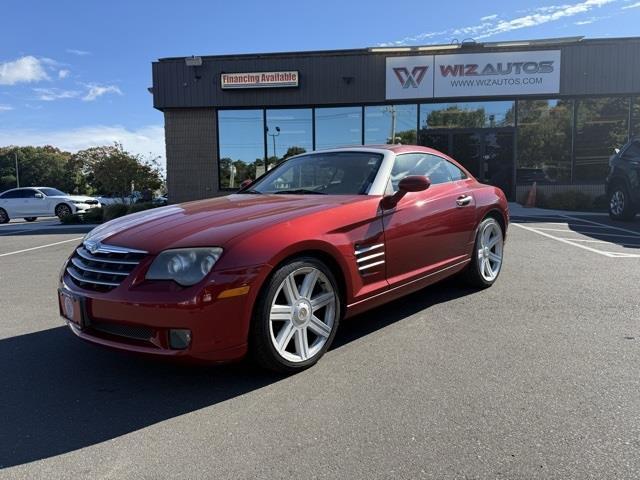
(140, 320)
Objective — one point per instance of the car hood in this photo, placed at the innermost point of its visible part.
(212, 222)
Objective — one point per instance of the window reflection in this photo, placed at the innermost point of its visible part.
(466, 115)
(241, 134)
(336, 127)
(601, 126)
(544, 141)
(635, 123)
(390, 124)
(288, 133)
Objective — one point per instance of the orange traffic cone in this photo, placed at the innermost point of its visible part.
(531, 198)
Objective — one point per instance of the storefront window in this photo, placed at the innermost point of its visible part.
(336, 127)
(466, 115)
(390, 124)
(601, 126)
(289, 132)
(241, 138)
(544, 141)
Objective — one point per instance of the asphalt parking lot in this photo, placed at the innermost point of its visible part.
(537, 377)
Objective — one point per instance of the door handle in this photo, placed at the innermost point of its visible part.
(464, 200)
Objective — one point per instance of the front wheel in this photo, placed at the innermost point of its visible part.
(296, 317)
(63, 210)
(486, 259)
(620, 207)
(31, 219)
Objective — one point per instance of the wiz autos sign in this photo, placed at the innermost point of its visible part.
(410, 77)
(483, 74)
(259, 79)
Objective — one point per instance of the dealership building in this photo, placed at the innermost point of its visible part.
(513, 113)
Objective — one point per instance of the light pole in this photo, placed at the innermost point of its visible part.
(15, 155)
(392, 110)
(273, 135)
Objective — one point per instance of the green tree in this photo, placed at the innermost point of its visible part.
(112, 170)
(38, 166)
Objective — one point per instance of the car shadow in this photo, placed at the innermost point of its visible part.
(623, 234)
(60, 394)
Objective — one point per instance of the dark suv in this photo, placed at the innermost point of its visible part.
(623, 182)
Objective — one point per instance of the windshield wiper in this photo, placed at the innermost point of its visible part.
(300, 191)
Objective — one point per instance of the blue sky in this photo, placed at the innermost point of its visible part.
(75, 73)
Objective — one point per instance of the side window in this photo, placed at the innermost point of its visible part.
(437, 169)
(12, 194)
(455, 172)
(632, 152)
(28, 193)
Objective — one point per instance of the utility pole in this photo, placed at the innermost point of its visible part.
(15, 155)
(392, 109)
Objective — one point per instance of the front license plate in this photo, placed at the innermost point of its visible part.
(71, 308)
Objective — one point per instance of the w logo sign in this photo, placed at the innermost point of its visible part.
(412, 79)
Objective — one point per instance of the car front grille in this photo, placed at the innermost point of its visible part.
(104, 267)
(91, 202)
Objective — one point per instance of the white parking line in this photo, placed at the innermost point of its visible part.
(603, 225)
(584, 247)
(586, 233)
(41, 246)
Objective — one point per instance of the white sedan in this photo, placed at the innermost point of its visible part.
(33, 202)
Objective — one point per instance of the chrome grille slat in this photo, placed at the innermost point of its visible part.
(105, 268)
(83, 266)
(370, 265)
(87, 256)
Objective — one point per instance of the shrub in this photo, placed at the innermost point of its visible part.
(139, 207)
(569, 200)
(94, 215)
(114, 211)
(73, 219)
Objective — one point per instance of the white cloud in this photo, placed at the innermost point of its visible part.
(146, 141)
(490, 25)
(51, 94)
(5, 108)
(64, 73)
(633, 5)
(96, 91)
(23, 70)
(80, 53)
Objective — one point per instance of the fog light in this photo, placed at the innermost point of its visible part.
(179, 339)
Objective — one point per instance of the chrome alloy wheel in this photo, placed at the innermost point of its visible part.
(490, 251)
(302, 314)
(616, 205)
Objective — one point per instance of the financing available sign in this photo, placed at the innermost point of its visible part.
(259, 79)
(482, 74)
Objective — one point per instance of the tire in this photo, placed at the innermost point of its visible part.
(63, 210)
(288, 332)
(620, 207)
(487, 256)
(4, 216)
(31, 219)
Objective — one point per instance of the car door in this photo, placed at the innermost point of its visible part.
(31, 205)
(429, 230)
(10, 202)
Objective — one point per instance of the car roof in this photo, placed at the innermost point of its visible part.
(396, 148)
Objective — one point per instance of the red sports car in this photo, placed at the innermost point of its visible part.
(274, 268)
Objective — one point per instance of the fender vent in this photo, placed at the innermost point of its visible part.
(369, 258)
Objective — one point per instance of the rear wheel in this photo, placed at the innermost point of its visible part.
(486, 259)
(62, 210)
(297, 316)
(4, 216)
(31, 219)
(620, 207)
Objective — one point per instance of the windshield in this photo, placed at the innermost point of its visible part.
(52, 192)
(331, 173)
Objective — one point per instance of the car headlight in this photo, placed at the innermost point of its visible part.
(185, 266)
(77, 202)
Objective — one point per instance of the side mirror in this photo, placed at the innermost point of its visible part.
(39, 195)
(245, 183)
(412, 183)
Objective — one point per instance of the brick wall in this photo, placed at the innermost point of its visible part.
(192, 169)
